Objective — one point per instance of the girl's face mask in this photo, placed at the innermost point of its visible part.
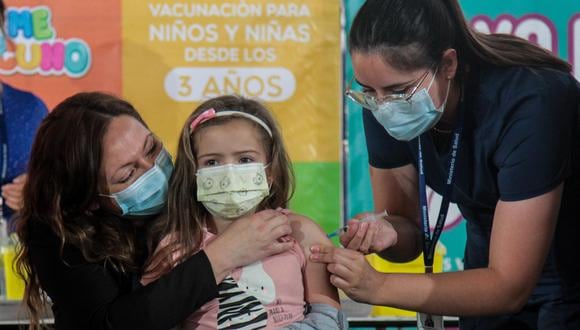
(232, 190)
(148, 194)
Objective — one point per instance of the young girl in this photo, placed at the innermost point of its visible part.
(231, 162)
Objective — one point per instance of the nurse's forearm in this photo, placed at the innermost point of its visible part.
(408, 246)
(466, 293)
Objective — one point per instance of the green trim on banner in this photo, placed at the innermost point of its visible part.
(317, 193)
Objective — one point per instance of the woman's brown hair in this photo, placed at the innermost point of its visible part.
(64, 177)
(188, 216)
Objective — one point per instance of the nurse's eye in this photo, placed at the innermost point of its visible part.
(400, 91)
(369, 91)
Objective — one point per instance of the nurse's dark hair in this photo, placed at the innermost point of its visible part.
(61, 193)
(411, 34)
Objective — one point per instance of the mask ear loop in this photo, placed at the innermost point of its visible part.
(446, 95)
(270, 184)
(440, 109)
(433, 79)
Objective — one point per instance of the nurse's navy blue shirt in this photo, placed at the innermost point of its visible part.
(520, 140)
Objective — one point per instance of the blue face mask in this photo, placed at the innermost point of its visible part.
(406, 119)
(148, 194)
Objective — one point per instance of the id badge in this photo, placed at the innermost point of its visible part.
(429, 321)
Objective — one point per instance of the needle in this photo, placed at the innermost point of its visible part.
(368, 218)
(337, 232)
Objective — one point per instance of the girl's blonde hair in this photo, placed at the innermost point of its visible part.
(186, 217)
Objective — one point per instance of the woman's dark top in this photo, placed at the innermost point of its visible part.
(96, 296)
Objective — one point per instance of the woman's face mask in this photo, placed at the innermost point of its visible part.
(406, 119)
(232, 190)
(148, 194)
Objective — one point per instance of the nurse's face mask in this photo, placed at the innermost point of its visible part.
(148, 194)
(232, 190)
(404, 116)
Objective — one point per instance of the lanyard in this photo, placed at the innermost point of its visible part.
(429, 242)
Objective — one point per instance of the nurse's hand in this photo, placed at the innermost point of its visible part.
(350, 272)
(12, 192)
(369, 237)
(248, 240)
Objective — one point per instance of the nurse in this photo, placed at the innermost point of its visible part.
(490, 123)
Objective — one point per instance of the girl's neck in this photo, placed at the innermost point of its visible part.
(220, 225)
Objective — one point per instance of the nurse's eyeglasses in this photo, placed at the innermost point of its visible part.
(370, 101)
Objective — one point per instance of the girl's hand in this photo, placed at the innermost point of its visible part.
(369, 237)
(248, 240)
(350, 271)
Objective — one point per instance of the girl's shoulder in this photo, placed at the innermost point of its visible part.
(306, 231)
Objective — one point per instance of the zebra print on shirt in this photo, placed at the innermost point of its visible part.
(237, 309)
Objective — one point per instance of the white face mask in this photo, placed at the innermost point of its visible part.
(406, 119)
(231, 191)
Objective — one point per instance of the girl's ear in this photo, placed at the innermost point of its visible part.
(269, 176)
(270, 181)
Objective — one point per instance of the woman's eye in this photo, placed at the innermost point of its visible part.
(154, 147)
(128, 177)
(245, 160)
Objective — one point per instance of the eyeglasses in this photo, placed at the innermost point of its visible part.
(372, 102)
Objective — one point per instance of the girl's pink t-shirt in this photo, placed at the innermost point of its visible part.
(268, 294)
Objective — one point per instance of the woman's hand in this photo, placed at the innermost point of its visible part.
(247, 240)
(12, 192)
(369, 237)
(350, 271)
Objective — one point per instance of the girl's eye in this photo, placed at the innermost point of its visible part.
(211, 162)
(245, 160)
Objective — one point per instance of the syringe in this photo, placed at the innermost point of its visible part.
(367, 218)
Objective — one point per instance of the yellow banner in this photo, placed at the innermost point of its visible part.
(286, 53)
